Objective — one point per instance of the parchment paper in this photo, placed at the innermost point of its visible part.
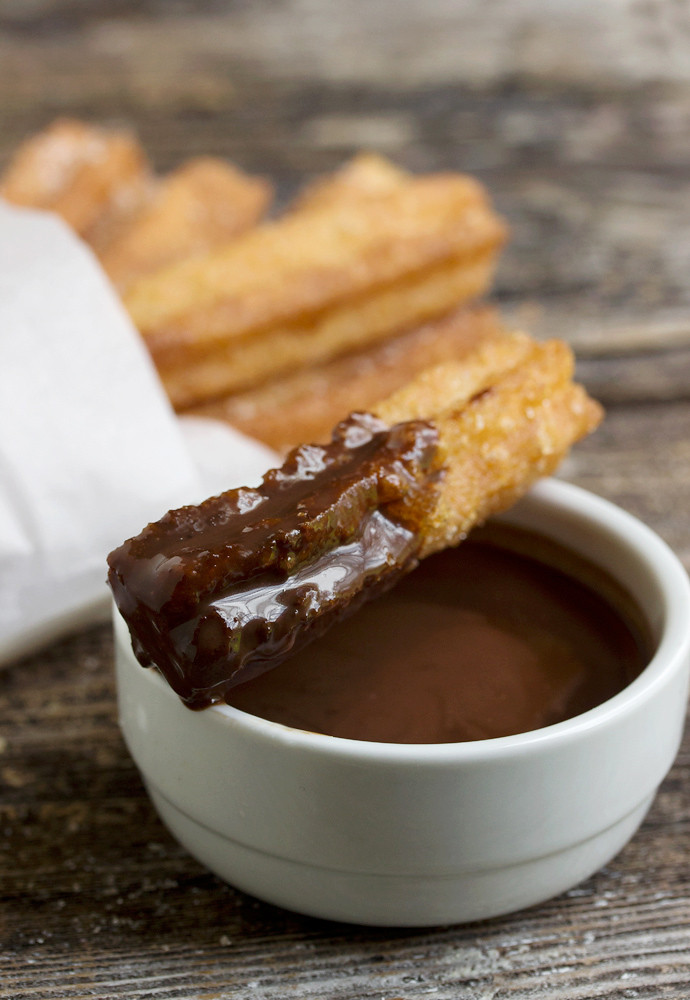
(90, 449)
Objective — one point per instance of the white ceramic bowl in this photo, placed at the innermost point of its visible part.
(404, 835)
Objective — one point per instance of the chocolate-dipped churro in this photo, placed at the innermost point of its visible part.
(218, 593)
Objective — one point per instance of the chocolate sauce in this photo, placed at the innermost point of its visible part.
(478, 642)
(219, 592)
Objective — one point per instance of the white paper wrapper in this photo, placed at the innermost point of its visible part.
(90, 450)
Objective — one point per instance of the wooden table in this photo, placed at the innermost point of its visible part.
(585, 150)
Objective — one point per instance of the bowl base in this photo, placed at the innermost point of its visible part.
(397, 900)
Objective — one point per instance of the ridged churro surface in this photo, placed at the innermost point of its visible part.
(348, 266)
(203, 204)
(305, 405)
(506, 416)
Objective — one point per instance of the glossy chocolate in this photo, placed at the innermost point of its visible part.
(219, 592)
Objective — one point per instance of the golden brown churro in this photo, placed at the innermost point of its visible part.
(337, 272)
(305, 405)
(366, 175)
(506, 416)
(201, 205)
(80, 171)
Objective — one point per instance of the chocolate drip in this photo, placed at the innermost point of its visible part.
(217, 593)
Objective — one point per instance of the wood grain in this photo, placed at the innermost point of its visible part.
(577, 119)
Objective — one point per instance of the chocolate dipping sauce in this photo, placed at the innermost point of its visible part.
(480, 641)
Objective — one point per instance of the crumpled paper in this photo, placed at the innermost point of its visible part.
(90, 449)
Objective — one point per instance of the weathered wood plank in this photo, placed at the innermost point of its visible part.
(577, 117)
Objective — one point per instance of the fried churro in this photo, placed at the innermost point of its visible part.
(201, 205)
(305, 405)
(82, 172)
(506, 416)
(335, 273)
(218, 593)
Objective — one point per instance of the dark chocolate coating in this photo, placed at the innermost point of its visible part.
(216, 593)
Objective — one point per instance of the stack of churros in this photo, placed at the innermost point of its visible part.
(282, 326)
(341, 270)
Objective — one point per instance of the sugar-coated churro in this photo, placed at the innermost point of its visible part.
(203, 204)
(80, 171)
(506, 416)
(335, 273)
(305, 405)
(366, 175)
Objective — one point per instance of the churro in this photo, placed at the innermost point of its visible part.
(305, 405)
(201, 205)
(366, 175)
(506, 416)
(82, 172)
(218, 593)
(333, 274)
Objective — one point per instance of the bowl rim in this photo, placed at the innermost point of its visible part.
(672, 652)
